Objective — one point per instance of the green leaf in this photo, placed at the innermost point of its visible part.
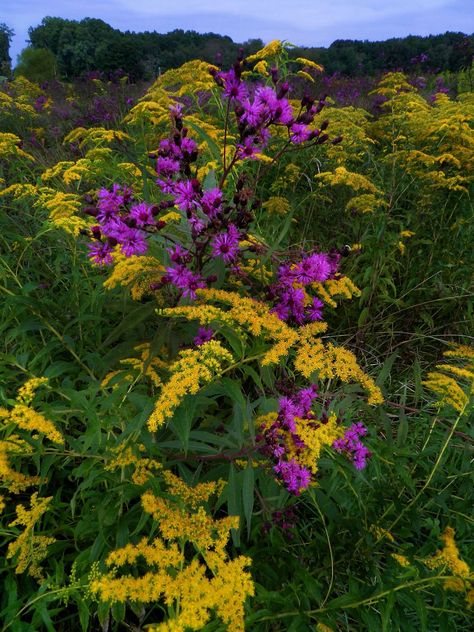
(211, 143)
(234, 502)
(248, 494)
(84, 614)
(363, 316)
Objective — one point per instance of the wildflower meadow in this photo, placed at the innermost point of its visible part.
(237, 352)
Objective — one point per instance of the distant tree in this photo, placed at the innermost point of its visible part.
(36, 64)
(6, 34)
(48, 33)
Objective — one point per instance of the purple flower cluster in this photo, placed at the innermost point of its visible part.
(257, 109)
(204, 334)
(216, 226)
(121, 221)
(284, 519)
(274, 439)
(351, 445)
(292, 302)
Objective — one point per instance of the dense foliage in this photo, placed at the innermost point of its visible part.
(91, 44)
(197, 431)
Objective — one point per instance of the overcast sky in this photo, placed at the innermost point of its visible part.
(305, 22)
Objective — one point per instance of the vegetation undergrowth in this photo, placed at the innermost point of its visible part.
(195, 432)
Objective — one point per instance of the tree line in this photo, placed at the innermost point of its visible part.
(69, 49)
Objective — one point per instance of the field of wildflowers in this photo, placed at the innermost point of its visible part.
(237, 360)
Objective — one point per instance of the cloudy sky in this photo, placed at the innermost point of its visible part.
(305, 22)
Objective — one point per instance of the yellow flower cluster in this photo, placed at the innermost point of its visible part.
(197, 527)
(255, 317)
(277, 205)
(63, 209)
(192, 496)
(27, 392)
(29, 548)
(309, 63)
(448, 556)
(365, 203)
(401, 559)
(191, 589)
(25, 418)
(305, 75)
(380, 533)
(15, 481)
(96, 136)
(143, 467)
(329, 361)
(343, 286)
(314, 434)
(356, 181)
(135, 272)
(288, 179)
(19, 191)
(10, 146)
(450, 390)
(14, 107)
(193, 369)
(146, 365)
(272, 49)
(28, 419)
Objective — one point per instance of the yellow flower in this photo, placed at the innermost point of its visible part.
(29, 548)
(278, 205)
(193, 369)
(272, 49)
(449, 390)
(313, 433)
(309, 63)
(28, 419)
(190, 587)
(448, 556)
(329, 362)
(135, 272)
(401, 559)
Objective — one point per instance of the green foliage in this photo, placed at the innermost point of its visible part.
(334, 564)
(36, 64)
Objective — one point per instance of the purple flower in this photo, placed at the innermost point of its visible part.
(212, 202)
(167, 166)
(100, 253)
(315, 268)
(185, 195)
(283, 113)
(295, 477)
(291, 305)
(315, 312)
(188, 146)
(266, 98)
(185, 280)
(196, 224)
(248, 149)
(167, 186)
(226, 245)
(299, 133)
(351, 445)
(109, 203)
(142, 214)
(253, 113)
(204, 335)
(168, 148)
(178, 254)
(133, 241)
(234, 88)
